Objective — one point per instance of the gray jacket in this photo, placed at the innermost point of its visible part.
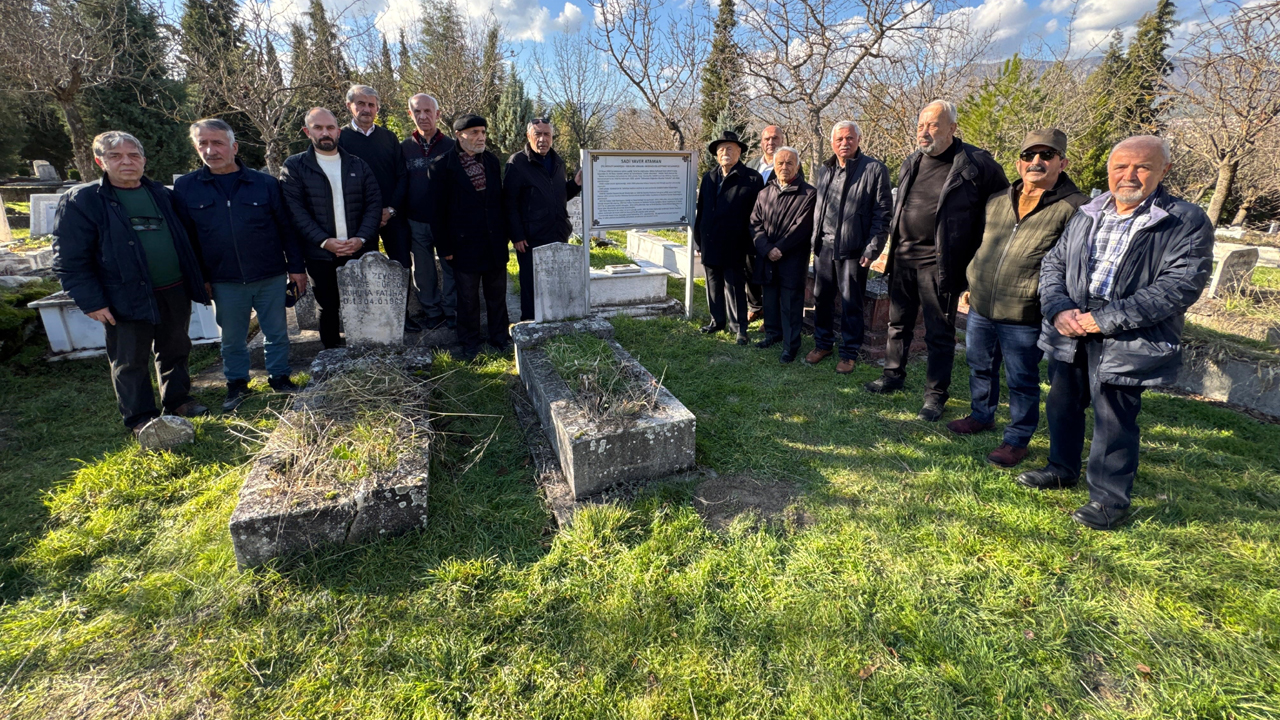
(1162, 273)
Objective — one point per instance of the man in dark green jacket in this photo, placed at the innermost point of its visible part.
(1023, 224)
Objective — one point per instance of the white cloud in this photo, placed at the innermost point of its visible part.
(570, 19)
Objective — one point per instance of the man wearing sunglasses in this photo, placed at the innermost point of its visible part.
(1023, 224)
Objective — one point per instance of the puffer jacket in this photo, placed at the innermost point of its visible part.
(310, 202)
(867, 209)
(1004, 276)
(1162, 273)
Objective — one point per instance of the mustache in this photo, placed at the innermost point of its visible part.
(1037, 168)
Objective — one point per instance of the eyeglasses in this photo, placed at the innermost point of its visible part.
(1029, 155)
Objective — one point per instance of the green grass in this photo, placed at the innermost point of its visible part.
(18, 208)
(926, 584)
(1267, 277)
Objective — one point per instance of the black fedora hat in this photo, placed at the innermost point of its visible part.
(726, 136)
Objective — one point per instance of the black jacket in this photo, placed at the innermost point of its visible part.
(246, 238)
(783, 219)
(418, 203)
(380, 150)
(867, 209)
(1163, 272)
(536, 202)
(99, 260)
(722, 228)
(469, 224)
(310, 202)
(974, 177)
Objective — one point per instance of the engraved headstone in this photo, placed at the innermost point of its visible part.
(559, 283)
(373, 291)
(6, 235)
(575, 215)
(44, 208)
(44, 171)
(306, 310)
(165, 432)
(1234, 273)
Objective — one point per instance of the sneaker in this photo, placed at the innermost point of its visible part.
(1046, 479)
(845, 366)
(816, 356)
(190, 409)
(932, 410)
(883, 384)
(1095, 516)
(1007, 456)
(968, 425)
(282, 384)
(237, 391)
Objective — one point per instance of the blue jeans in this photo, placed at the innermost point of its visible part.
(987, 343)
(231, 305)
(436, 301)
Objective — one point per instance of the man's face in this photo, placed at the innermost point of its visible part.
(322, 128)
(472, 140)
(364, 108)
(1133, 172)
(786, 166)
(218, 154)
(934, 131)
(425, 113)
(845, 143)
(540, 138)
(124, 162)
(771, 138)
(727, 155)
(1043, 167)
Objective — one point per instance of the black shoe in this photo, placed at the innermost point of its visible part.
(1046, 479)
(237, 391)
(744, 340)
(1093, 515)
(710, 328)
(767, 343)
(412, 326)
(282, 384)
(190, 409)
(433, 323)
(502, 347)
(883, 384)
(468, 353)
(787, 358)
(932, 410)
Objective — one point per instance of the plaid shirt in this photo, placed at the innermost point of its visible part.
(1111, 242)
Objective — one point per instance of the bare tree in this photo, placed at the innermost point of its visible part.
(580, 85)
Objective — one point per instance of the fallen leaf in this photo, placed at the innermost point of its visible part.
(1048, 709)
(866, 672)
(1143, 669)
(1028, 634)
(894, 652)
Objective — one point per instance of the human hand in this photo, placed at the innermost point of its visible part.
(1068, 323)
(775, 254)
(864, 262)
(386, 215)
(208, 289)
(301, 279)
(578, 177)
(448, 257)
(103, 316)
(521, 246)
(1087, 322)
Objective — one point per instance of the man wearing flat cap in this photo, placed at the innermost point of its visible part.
(1023, 224)
(722, 233)
(470, 233)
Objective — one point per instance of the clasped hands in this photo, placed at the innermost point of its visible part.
(343, 248)
(1073, 323)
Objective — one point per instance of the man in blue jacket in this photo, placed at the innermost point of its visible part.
(1113, 293)
(246, 244)
(125, 258)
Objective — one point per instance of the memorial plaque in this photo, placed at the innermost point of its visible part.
(373, 292)
(638, 189)
(1234, 273)
(559, 283)
(44, 208)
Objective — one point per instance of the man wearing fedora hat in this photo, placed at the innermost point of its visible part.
(722, 233)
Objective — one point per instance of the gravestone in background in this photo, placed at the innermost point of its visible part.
(374, 290)
(306, 309)
(1234, 273)
(44, 171)
(44, 208)
(5, 233)
(559, 283)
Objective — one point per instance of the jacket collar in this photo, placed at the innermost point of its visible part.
(1061, 190)
(718, 172)
(1159, 200)
(833, 161)
(534, 157)
(204, 174)
(106, 188)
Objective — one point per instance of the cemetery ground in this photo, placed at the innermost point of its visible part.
(907, 578)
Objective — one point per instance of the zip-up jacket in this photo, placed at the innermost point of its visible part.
(783, 220)
(535, 201)
(419, 205)
(865, 213)
(309, 200)
(722, 228)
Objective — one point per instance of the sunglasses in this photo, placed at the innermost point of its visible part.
(540, 121)
(143, 223)
(1029, 155)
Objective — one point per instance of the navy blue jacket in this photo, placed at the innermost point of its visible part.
(100, 261)
(418, 203)
(241, 239)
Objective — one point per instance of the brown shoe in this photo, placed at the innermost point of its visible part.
(968, 426)
(754, 315)
(844, 367)
(816, 356)
(1007, 456)
(190, 409)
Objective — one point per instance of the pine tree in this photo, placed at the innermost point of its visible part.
(507, 128)
(492, 73)
(214, 48)
(722, 108)
(1104, 86)
(1146, 65)
(326, 72)
(995, 117)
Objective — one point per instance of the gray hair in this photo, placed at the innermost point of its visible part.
(787, 148)
(424, 95)
(356, 90)
(948, 108)
(111, 140)
(211, 124)
(845, 124)
(1166, 149)
(545, 121)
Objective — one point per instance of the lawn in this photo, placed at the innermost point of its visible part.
(916, 582)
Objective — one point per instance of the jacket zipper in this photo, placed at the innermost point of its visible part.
(235, 243)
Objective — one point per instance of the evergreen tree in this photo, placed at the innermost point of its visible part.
(722, 108)
(1146, 66)
(301, 80)
(325, 73)
(1089, 154)
(214, 48)
(997, 116)
(491, 72)
(507, 128)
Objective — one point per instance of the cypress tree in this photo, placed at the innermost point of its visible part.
(514, 111)
(722, 108)
(491, 73)
(1146, 66)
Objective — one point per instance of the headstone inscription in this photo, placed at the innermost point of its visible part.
(44, 171)
(559, 283)
(1234, 273)
(373, 292)
(44, 208)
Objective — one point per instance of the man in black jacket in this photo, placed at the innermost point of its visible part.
(850, 226)
(782, 227)
(722, 233)
(536, 193)
(124, 257)
(436, 294)
(936, 228)
(334, 202)
(470, 233)
(1114, 292)
(247, 245)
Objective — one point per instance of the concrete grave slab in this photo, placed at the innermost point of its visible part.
(559, 283)
(44, 209)
(671, 255)
(648, 285)
(1233, 273)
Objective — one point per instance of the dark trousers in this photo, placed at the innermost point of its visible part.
(731, 280)
(988, 344)
(783, 308)
(494, 286)
(130, 344)
(324, 283)
(397, 243)
(1113, 456)
(755, 292)
(525, 261)
(910, 290)
(849, 280)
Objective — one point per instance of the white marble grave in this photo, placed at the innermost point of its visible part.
(559, 283)
(373, 290)
(44, 208)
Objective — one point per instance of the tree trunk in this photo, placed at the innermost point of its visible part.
(815, 126)
(1243, 212)
(81, 143)
(677, 135)
(1226, 178)
(273, 154)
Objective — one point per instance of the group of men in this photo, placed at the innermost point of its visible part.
(1101, 286)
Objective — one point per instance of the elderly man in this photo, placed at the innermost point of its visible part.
(722, 233)
(336, 207)
(782, 228)
(436, 294)
(471, 234)
(851, 224)
(536, 193)
(1114, 291)
(771, 138)
(125, 258)
(937, 224)
(248, 250)
(1023, 224)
